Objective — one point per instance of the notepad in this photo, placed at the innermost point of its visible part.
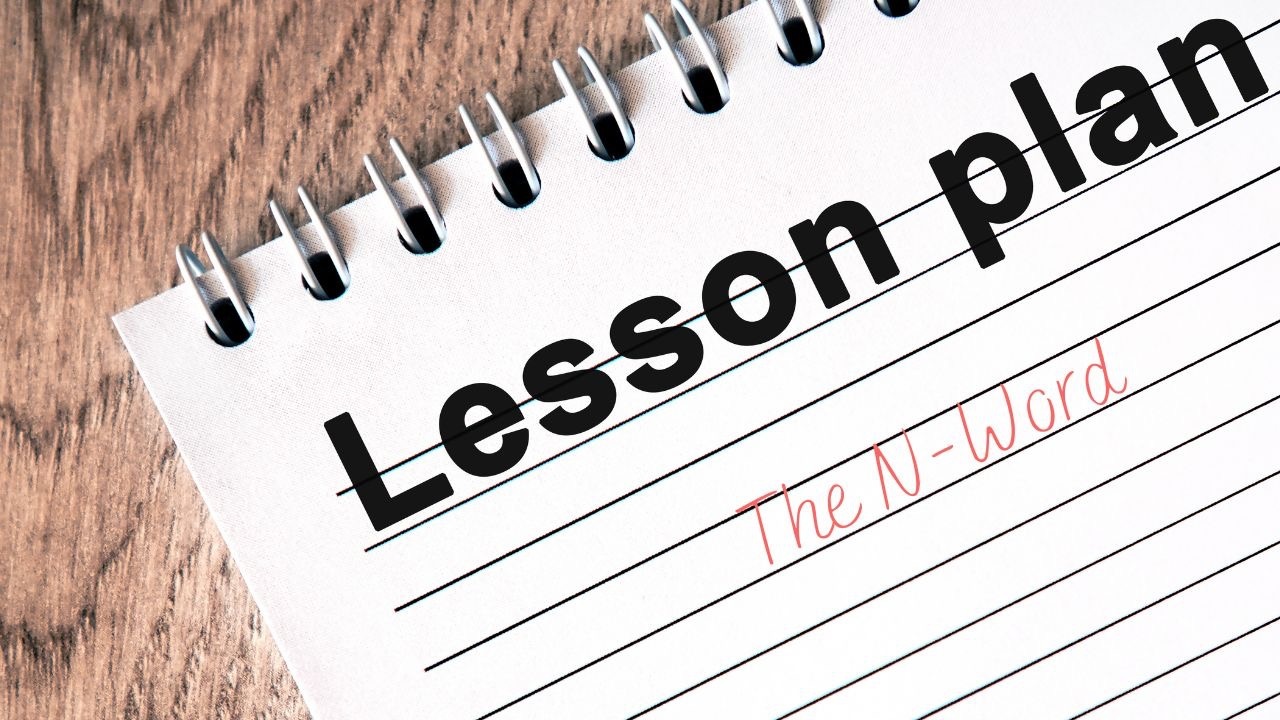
(893, 367)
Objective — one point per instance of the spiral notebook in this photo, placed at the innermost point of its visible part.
(845, 362)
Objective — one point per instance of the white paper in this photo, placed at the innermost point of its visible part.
(663, 615)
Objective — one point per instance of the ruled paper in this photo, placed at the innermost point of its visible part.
(1118, 561)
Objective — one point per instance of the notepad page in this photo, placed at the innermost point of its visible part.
(1040, 488)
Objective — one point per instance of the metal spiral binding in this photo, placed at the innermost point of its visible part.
(799, 38)
(421, 226)
(324, 273)
(705, 87)
(227, 319)
(516, 183)
(611, 135)
(896, 8)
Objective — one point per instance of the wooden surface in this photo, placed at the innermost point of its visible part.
(125, 129)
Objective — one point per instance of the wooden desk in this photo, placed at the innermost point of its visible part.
(122, 133)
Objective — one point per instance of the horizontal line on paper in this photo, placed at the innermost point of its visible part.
(807, 479)
(824, 322)
(845, 460)
(887, 221)
(967, 551)
(1255, 706)
(1037, 591)
(1179, 666)
(851, 383)
(1102, 629)
(834, 543)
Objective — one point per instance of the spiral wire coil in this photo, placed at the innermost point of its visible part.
(610, 135)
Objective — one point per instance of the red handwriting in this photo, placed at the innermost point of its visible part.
(883, 464)
(835, 498)
(1048, 413)
(1042, 409)
(764, 536)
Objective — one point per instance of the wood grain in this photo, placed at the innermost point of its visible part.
(125, 129)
